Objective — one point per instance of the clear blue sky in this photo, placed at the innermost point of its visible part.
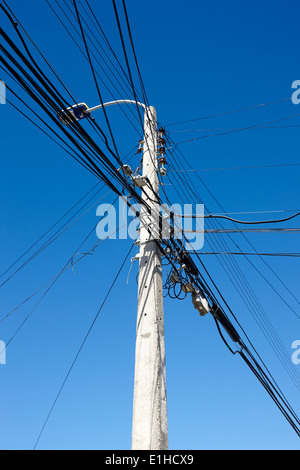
(197, 59)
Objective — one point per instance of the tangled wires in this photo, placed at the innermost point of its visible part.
(177, 279)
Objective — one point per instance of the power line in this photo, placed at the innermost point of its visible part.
(95, 80)
(100, 76)
(292, 255)
(74, 126)
(69, 265)
(249, 230)
(244, 236)
(257, 222)
(127, 60)
(231, 129)
(107, 41)
(123, 76)
(81, 347)
(240, 283)
(264, 376)
(235, 168)
(53, 226)
(229, 112)
(134, 54)
(254, 126)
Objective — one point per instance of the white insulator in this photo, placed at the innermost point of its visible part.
(163, 171)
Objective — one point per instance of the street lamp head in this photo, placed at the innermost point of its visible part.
(77, 112)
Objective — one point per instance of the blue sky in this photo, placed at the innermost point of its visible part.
(197, 59)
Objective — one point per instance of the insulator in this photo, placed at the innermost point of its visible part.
(189, 264)
(162, 160)
(161, 151)
(163, 171)
(141, 146)
(161, 141)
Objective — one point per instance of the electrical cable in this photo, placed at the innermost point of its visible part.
(135, 56)
(69, 265)
(53, 226)
(23, 83)
(123, 77)
(215, 216)
(81, 347)
(87, 138)
(127, 60)
(251, 230)
(16, 50)
(106, 40)
(241, 231)
(287, 361)
(231, 129)
(100, 76)
(54, 237)
(96, 82)
(254, 126)
(229, 112)
(292, 255)
(280, 165)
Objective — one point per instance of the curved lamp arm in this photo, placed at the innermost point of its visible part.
(110, 103)
(81, 110)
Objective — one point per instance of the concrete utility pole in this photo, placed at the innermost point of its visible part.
(150, 426)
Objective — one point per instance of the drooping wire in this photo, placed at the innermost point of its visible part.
(81, 347)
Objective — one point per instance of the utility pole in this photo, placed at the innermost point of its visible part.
(150, 426)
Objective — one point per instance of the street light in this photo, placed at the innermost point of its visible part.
(81, 110)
